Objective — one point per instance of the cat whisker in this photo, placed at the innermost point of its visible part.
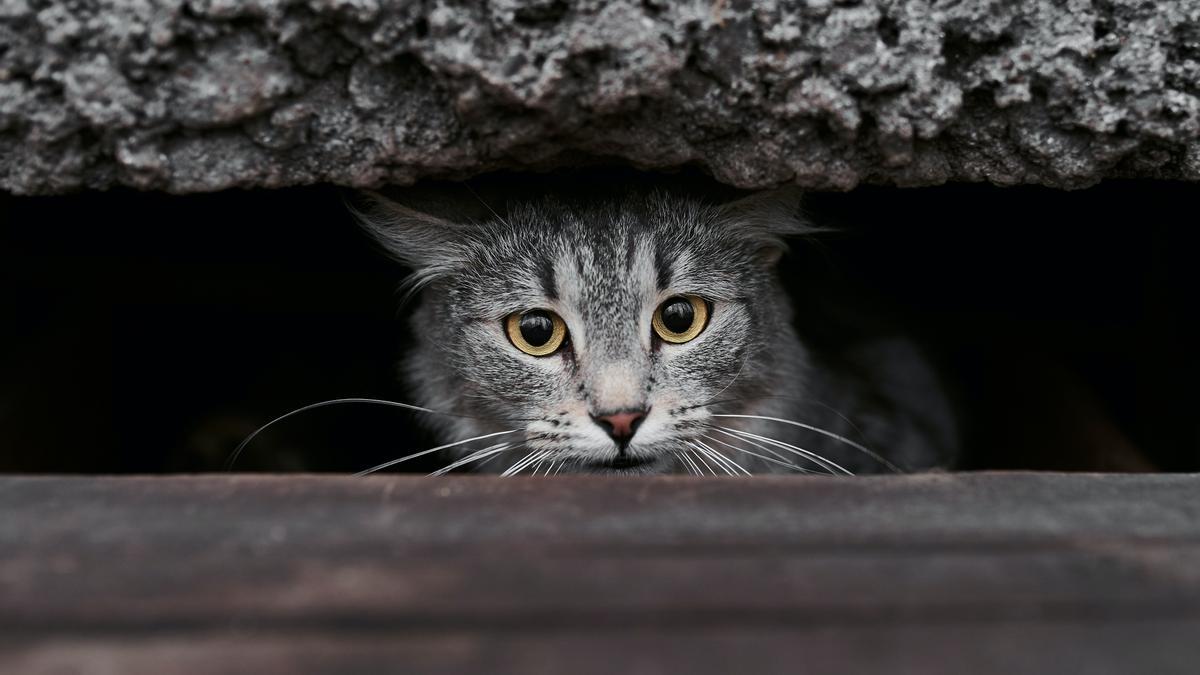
(489, 451)
(700, 458)
(432, 450)
(488, 460)
(829, 465)
(519, 464)
(485, 204)
(685, 463)
(708, 464)
(824, 432)
(728, 465)
(237, 452)
(764, 458)
(809, 401)
(725, 457)
(541, 458)
(775, 453)
(688, 463)
(715, 462)
(523, 463)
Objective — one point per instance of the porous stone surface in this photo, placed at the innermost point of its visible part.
(205, 95)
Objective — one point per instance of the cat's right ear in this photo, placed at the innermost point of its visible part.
(414, 231)
(769, 218)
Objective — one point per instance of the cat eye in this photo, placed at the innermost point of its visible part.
(680, 319)
(538, 332)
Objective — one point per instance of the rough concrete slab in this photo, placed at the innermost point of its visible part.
(201, 95)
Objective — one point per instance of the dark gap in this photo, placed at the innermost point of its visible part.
(960, 50)
(146, 332)
(541, 13)
(889, 31)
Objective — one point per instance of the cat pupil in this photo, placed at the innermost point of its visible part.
(677, 315)
(537, 328)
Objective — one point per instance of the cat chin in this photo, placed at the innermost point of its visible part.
(641, 466)
(648, 470)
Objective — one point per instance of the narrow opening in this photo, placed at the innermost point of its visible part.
(150, 333)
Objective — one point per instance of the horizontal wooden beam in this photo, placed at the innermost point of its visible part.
(312, 574)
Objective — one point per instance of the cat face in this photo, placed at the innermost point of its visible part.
(600, 330)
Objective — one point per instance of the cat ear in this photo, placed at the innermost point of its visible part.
(428, 231)
(768, 218)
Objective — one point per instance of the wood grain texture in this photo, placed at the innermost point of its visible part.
(304, 574)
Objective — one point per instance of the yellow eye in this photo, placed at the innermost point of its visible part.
(680, 319)
(538, 332)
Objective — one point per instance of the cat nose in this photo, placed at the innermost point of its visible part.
(622, 425)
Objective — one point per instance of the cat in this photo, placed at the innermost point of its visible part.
(641, 331)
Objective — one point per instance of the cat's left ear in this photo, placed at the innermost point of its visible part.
(430, 230)
(768, 218)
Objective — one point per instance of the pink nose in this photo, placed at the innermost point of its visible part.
(621, 425)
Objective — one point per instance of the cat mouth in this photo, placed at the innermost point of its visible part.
(624, 463)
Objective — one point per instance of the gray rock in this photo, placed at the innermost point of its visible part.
(200, 95)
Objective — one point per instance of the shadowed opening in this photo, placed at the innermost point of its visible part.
(146, 332)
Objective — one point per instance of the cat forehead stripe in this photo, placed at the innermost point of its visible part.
(662, 268)
(546, 277)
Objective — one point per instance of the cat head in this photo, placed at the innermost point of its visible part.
(602, 328)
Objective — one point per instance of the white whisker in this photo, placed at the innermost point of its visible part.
(519, 464)
(725, 457)
(490, 451)
(764, 448)
(825, 463)
(689, 464)
(431, 450)
(237, 452)
(703, 454)
(540, 459)
(778, 458)
(700, 457)
(724, 460)
(527, 460)
(862, 448)
(488, 460)
(764, 458)
(485, 204)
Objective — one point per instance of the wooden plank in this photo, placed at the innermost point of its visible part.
(332, 574)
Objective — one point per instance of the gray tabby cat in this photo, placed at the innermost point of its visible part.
(643, 334)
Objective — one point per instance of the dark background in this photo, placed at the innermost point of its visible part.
(145, 332)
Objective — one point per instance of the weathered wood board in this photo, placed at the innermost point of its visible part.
(964, 573)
